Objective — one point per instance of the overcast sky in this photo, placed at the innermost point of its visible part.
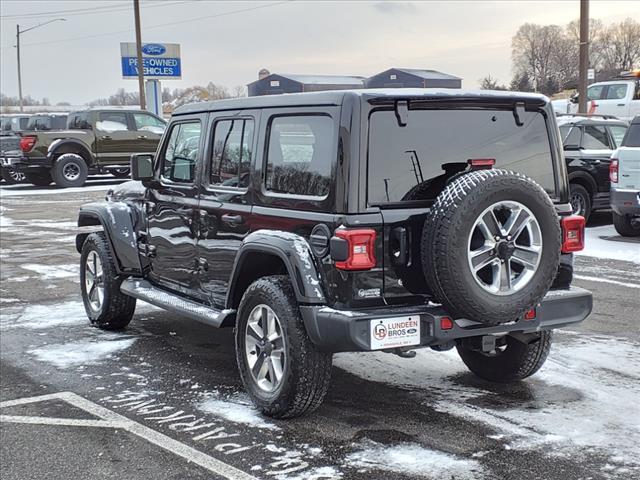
(79, 60)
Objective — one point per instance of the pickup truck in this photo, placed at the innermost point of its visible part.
(95, 141)
(618, 98)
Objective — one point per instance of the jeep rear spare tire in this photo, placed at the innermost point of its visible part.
(491, 246)
(69, 170)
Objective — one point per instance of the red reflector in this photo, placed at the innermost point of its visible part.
(361, 248)
(530, 314)
(482, 162)
(27, 143)
(613, 171)
(446, 323)
(572, 233)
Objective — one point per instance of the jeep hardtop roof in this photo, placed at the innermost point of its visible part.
(336, 97)
(563, 120)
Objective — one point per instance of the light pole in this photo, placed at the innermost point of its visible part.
(18, 32)
(136, 13)
(584, 56)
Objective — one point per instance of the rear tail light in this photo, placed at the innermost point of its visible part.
(446, 323)
(27, 143)
(572, 233)
(482, 162)
(530, 314)
(360, 249)
(613, 171)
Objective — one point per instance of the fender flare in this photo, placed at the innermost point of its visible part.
(581, 175)
(117, 220)
(296, 255)
(62, 142)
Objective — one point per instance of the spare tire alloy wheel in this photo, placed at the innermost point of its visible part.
(265, 348)
(505, 246)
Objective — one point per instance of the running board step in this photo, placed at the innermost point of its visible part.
(144, 290)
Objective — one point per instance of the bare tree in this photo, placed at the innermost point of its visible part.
(239, 91)
(622, 45)
(490, 83)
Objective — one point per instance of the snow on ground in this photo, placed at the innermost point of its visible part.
(20, 191)
(82, 352)
(45, 316)
(585, 398)
(412, 459)
(236, 409)
(51, 272)
(604, 242)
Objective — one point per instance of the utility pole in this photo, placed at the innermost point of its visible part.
(584, 56)
(136, 12)
(19, 72)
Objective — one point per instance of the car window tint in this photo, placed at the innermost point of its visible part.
(232, 145)
(148, 123)
(617, 91)
(414, 162)
(181, 153)
(632, 138)
(595, 92)
(300, 155)
(112, 121)
(595, 138)
(617, 132)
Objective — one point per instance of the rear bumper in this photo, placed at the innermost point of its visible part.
(625, 202)
(21, 164)
(345, 331)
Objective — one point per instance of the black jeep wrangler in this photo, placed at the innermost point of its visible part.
(347, 221)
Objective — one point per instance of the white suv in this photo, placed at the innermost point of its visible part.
(624, 173)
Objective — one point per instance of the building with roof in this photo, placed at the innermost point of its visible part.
(275, 83)
(412, 78)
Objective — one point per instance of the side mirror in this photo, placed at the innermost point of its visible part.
(142, 166)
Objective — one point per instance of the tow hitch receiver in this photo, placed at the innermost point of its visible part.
(488, 343)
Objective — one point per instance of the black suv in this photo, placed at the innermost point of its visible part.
(347, 221)
(588, 144)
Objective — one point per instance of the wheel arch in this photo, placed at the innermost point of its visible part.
(585, 180)
(68, 145)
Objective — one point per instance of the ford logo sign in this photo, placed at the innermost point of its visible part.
(153, 49)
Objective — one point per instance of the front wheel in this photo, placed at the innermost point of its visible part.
(70, 170)
(106, 306)
(512, 359)
(11, 177)
(624, 226)
(283, 372)
(120, 172)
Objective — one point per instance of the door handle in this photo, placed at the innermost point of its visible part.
(621, 104)
(232, 219)
(105, 137)
(141, 137)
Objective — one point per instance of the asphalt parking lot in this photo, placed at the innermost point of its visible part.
(163, 399)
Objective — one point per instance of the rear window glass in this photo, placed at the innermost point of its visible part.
(413, 162)
(632, 138)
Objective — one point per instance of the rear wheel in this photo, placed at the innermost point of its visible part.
(624, 225)
(70, 170)
(120, 172)
(12, 177)
(282, 370)
(106, 306)
(580, 200)
(39, 179)
(512, 361)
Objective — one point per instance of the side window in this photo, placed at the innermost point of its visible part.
(300, 155)
(616, 92)
(112, 121)
(232, 144)
(617, 132)
(570, 135)
(594, 92)
(148, 123)
(181, 153)
(595, 138)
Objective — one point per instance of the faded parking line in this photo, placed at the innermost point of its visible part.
(111, 419)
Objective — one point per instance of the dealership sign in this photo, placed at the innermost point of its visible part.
(160, 60)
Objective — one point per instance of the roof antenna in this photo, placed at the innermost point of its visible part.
(402, 112)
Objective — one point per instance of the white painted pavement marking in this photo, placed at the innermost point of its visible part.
(114, 420)
(606, 280)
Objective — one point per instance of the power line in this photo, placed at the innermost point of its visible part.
(180, 22)
(86, 11)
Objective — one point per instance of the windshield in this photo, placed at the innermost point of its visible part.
(413, 162)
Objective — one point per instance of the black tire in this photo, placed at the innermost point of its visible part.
(69, 170)
(623, 226)
(11, 177)
(39, 179)
(515, 362)
(116, 309)
(124, 172)
(307, 371)
(446, 244)
(580, 200)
